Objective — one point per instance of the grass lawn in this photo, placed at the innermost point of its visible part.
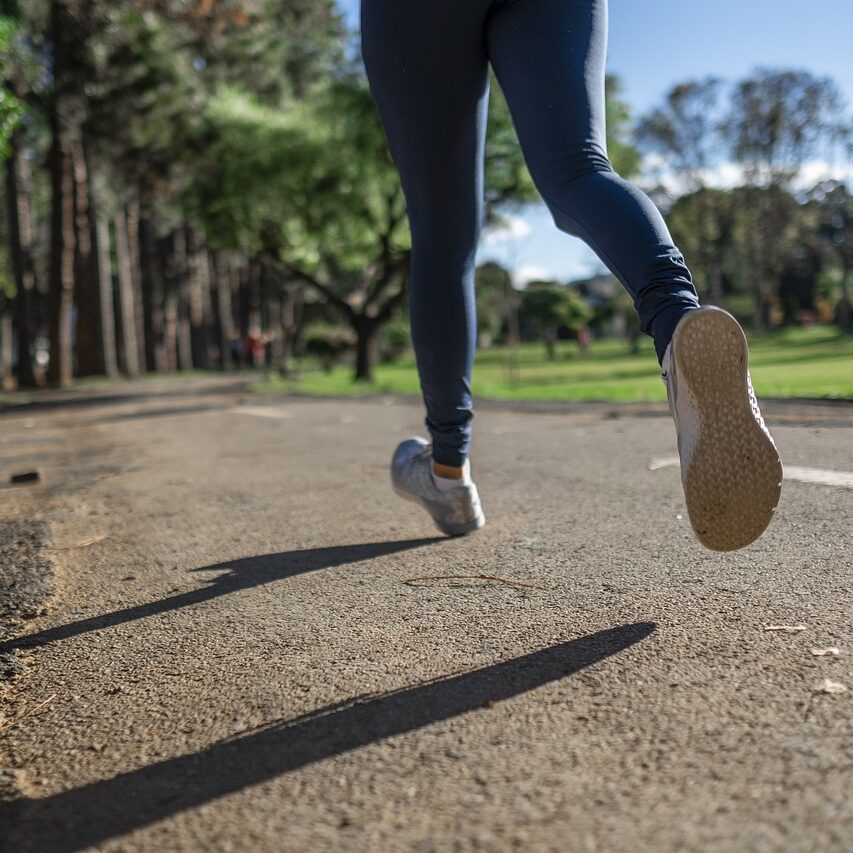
(816, 362)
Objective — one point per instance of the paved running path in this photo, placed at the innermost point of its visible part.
(246, 661)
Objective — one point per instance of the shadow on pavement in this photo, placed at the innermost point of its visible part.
(45, 401)
(103, 810)
(241, 574)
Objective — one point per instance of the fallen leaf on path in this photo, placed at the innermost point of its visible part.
(473, 577)
(785, 629)
(83, 543)
(830, 650)
(830, 686)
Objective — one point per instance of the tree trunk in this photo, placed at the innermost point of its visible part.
(845, 320)
(88, 338)
(716, 278)
(276, 351)
(224, 318)
(105, 293)
(166, 255)
(206, 275)
(127, 303)
(182, 308)
(198, 291)
(551, 343)
(21, 256)
(151, 281)
(61, 281)
(254, 295)
(61, 266)
(367, 346)
(291, 319)
(513, 334)
(761, 314)
(7, 375)
(135, 260)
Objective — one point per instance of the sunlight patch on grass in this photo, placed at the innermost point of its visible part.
(794, 363)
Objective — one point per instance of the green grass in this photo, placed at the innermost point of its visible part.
(815, 362)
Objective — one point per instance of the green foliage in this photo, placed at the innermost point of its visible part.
(507, 179)
(624, 156)
(547, 306)
(11, 108)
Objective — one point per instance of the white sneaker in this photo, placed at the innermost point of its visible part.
(455, 508)
(730, 468)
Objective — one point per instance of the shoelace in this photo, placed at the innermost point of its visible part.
(753, 402)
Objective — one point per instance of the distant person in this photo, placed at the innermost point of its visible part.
(255, 347)
(235, 347)
(427, 65)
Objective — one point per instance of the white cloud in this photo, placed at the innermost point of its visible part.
(528, 273)
(515, 227)
(728, 175)
(821, 170)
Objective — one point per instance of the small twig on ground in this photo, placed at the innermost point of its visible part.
(83, 543)
(28, 713)
(493, 578)
(785, 629)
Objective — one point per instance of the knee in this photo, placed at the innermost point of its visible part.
(447, 240)
(570, 166)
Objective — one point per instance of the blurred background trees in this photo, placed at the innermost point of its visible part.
(198, 184)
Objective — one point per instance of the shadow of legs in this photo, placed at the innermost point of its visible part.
(102, 810)
(238, 574)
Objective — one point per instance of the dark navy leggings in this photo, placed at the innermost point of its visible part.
(427, 65)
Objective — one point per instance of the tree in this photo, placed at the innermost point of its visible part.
(497, 301)
(778, 119)
(774, 122)
(685, 132)
(547, 306)
(314, 190)
(833, 209)
(702, 224)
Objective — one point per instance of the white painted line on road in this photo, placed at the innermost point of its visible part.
(819, 476)
(262, 411)
(663, 462)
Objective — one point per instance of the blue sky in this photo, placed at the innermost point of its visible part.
(655, 43)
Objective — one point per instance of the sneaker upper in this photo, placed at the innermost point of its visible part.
(683, 408)
(411, 473)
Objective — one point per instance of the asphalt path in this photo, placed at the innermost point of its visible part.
(253, 644)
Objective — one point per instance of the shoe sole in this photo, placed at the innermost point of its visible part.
(449, 529)
(734, 480)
